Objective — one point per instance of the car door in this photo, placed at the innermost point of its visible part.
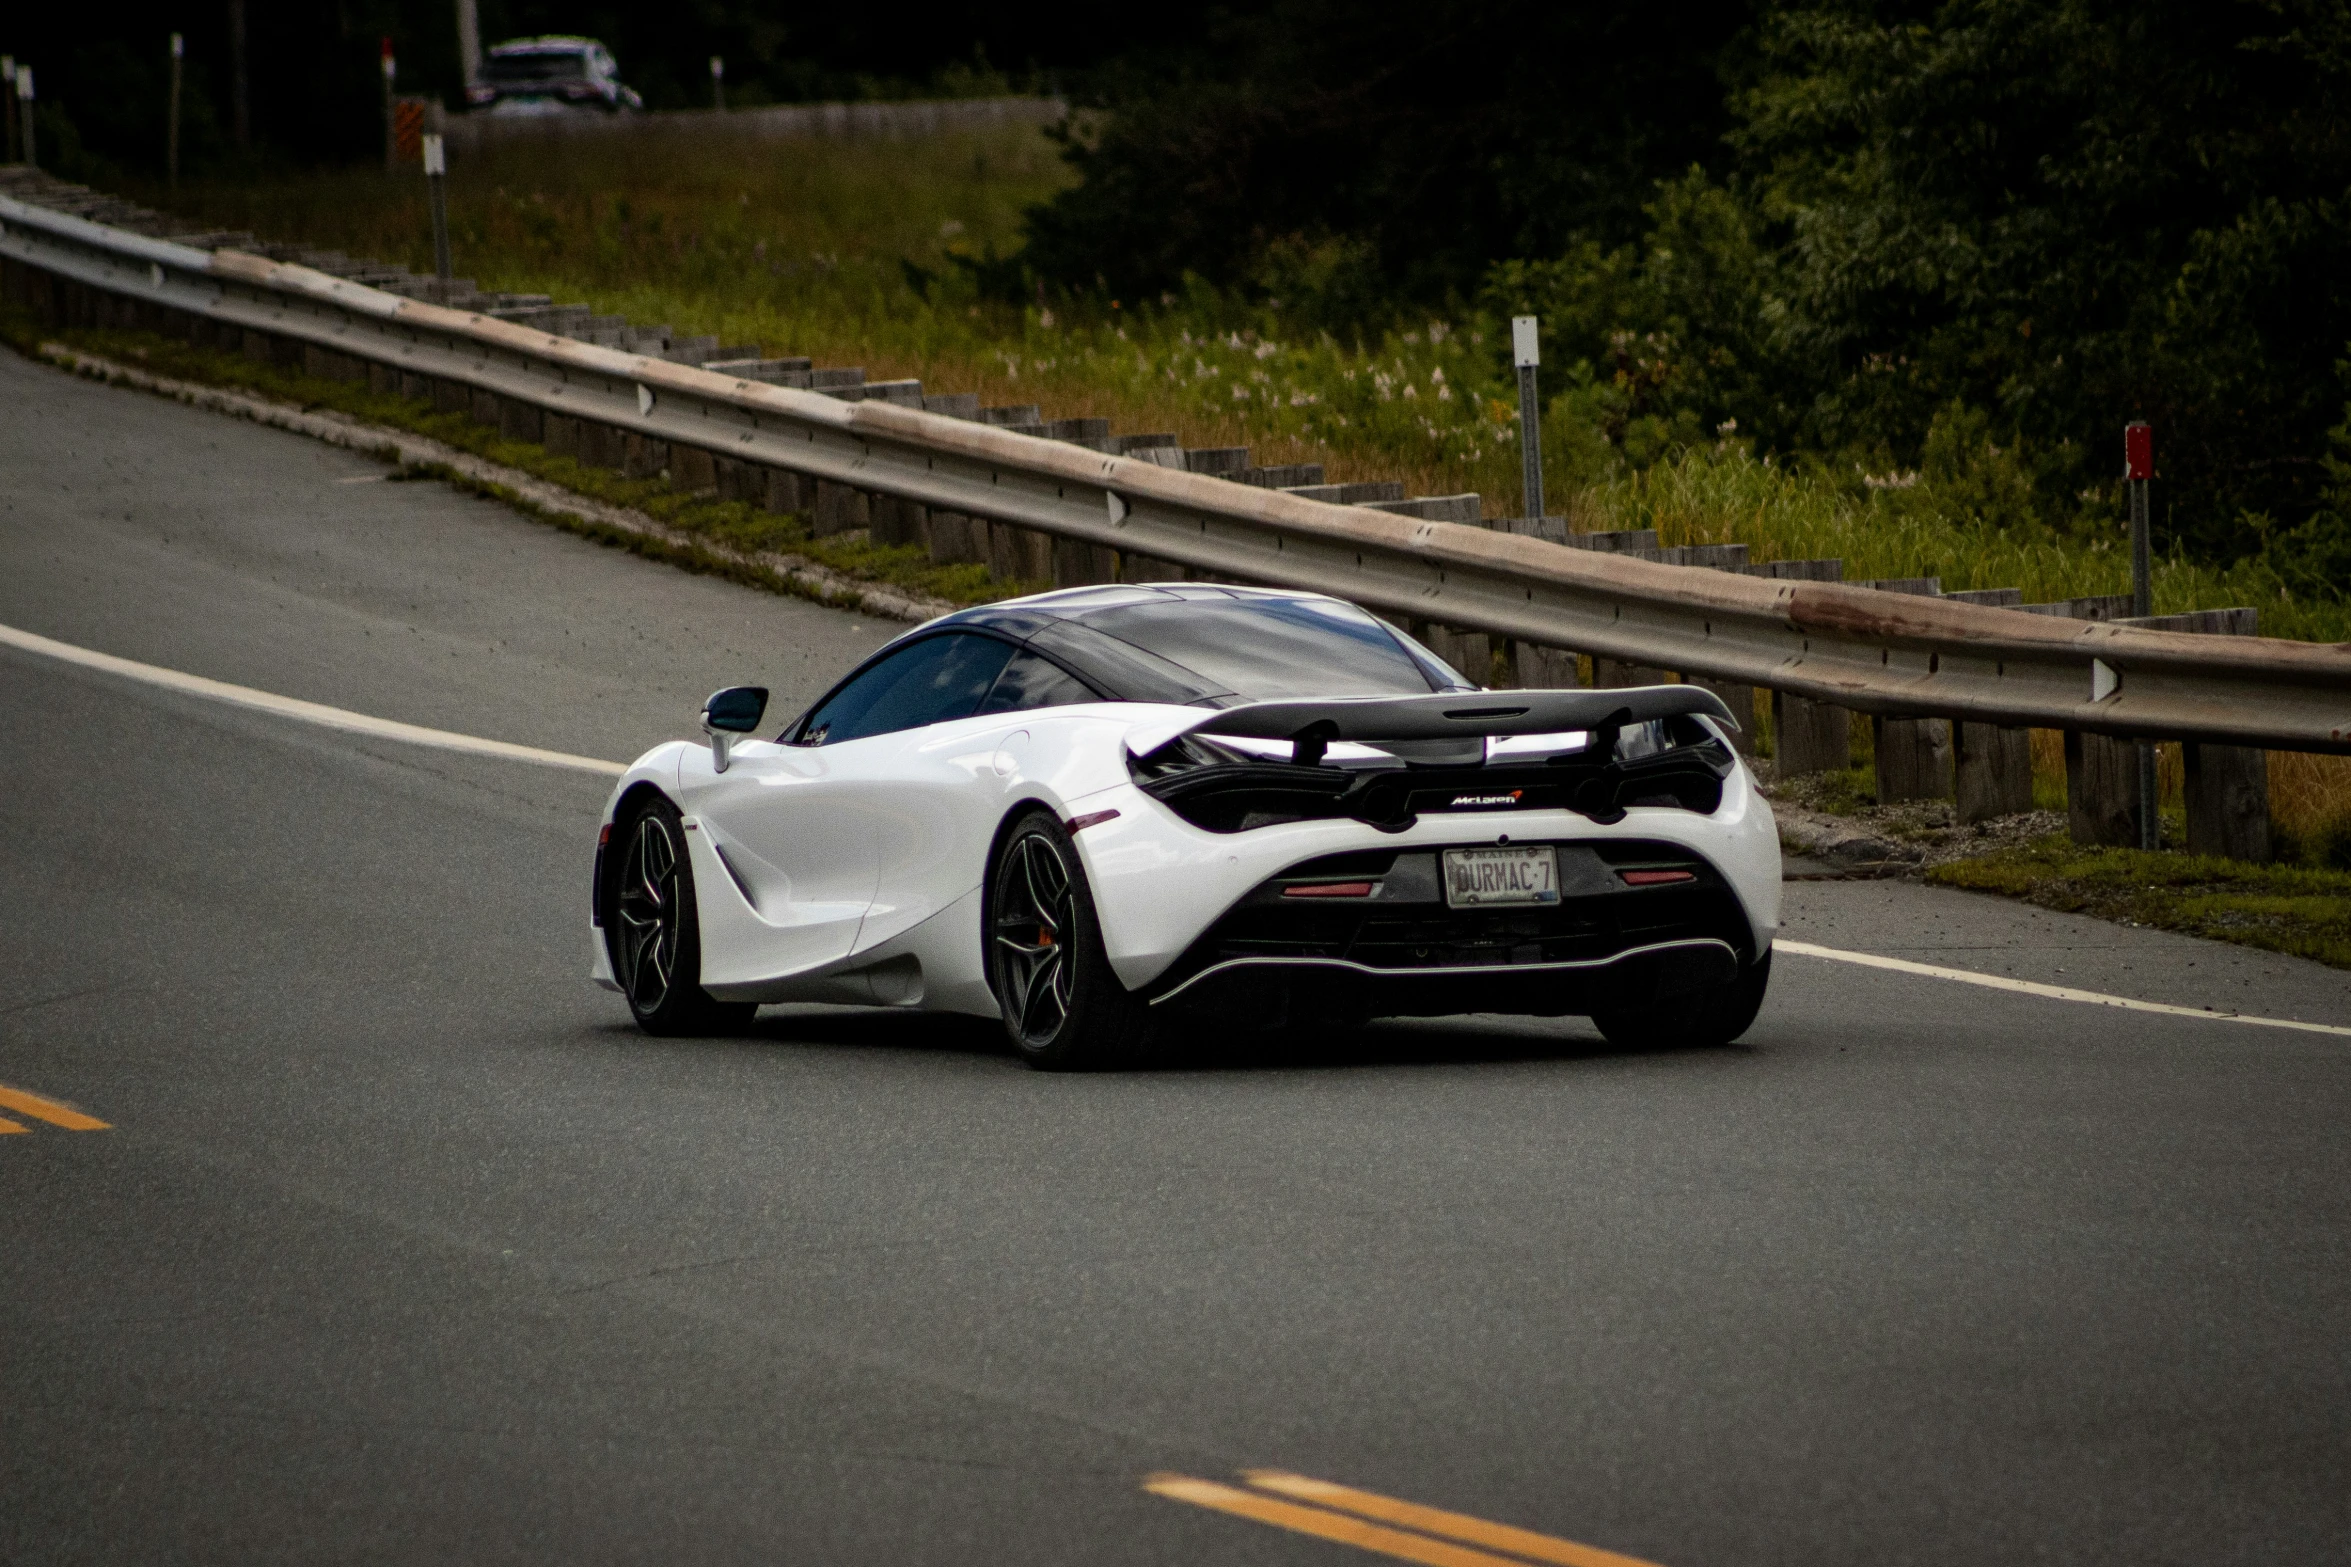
(800, 828)
(940, 795)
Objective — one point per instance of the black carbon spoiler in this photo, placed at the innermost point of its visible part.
(1229, 796)
(1459, 714)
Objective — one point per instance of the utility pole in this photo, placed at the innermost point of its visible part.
(2138, 467)
(469, 42)
(240, 93)
(436, 179)
(1526, 352)
(391, 123)
(171, 138)
(718, 84)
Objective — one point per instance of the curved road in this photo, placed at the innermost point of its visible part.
(401, 1245)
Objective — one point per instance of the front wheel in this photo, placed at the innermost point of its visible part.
(654, 935)
(1711, 1015)
(1064, 1008)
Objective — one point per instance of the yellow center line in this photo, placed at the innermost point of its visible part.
(1321, 1524)
(41, 1108)
(7, 1126)
(1435, 1520)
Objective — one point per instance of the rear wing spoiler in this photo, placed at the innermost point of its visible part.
(1313, 723)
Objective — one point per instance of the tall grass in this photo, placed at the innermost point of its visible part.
(1724, 494)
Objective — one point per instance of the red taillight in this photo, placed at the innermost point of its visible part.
(1655, 878)
(1331, 889)
(1078, 824)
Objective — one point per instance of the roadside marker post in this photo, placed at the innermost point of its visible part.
(718, 84)
(2138, 466)
(24, 104)
(436, 179)
(171, 135)
(8, 105)
(1526, 352)
(391, 114)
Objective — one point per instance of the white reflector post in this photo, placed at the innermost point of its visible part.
(1526, 352)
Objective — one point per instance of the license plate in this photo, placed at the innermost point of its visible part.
(1481, 876)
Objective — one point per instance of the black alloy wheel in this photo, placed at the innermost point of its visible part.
(1064, 1007)
(655, 933)
(1034, 919)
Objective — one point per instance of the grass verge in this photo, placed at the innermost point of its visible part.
(2300, 911)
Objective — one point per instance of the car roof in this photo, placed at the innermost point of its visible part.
(1023, 617)
(1124, 671)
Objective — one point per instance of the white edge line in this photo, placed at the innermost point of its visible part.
(305, 712)
(448, 740)
(2047, 992)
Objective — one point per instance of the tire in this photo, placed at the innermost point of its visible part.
(1715, 1015)
(653, 933)
(1064, 1009)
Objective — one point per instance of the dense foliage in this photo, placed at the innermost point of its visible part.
(1971, 237)
(1343, 153)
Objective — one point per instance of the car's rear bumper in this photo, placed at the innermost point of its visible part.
(1275, 990)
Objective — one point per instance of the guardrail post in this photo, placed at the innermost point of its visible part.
(1912, 755)
(1018, 554)
(1079, 564)
(1992, 771)
(2227, 786)
(2101, 788)
(839, 508)
(893, 521)
(692, 468)
(1991, 766)
(1471, 652)
(958, 540)
(1546, 668)
(2228, 801)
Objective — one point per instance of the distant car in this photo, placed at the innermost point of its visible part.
(551, 76)
(1092, 812)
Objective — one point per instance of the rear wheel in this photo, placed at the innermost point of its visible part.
(654, 934)
(1064, 1008)
(1709, 1015)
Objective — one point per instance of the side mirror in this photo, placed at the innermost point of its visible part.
(734, 711)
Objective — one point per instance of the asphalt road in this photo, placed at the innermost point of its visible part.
(404, 1246)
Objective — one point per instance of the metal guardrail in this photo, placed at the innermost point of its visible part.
(1858, 648)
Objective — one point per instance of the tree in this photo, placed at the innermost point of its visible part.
(1411, 145)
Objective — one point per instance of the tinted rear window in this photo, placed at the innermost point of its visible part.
(1264, 649)
(554, 67)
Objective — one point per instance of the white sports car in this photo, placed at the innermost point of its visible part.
(1100, 812)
